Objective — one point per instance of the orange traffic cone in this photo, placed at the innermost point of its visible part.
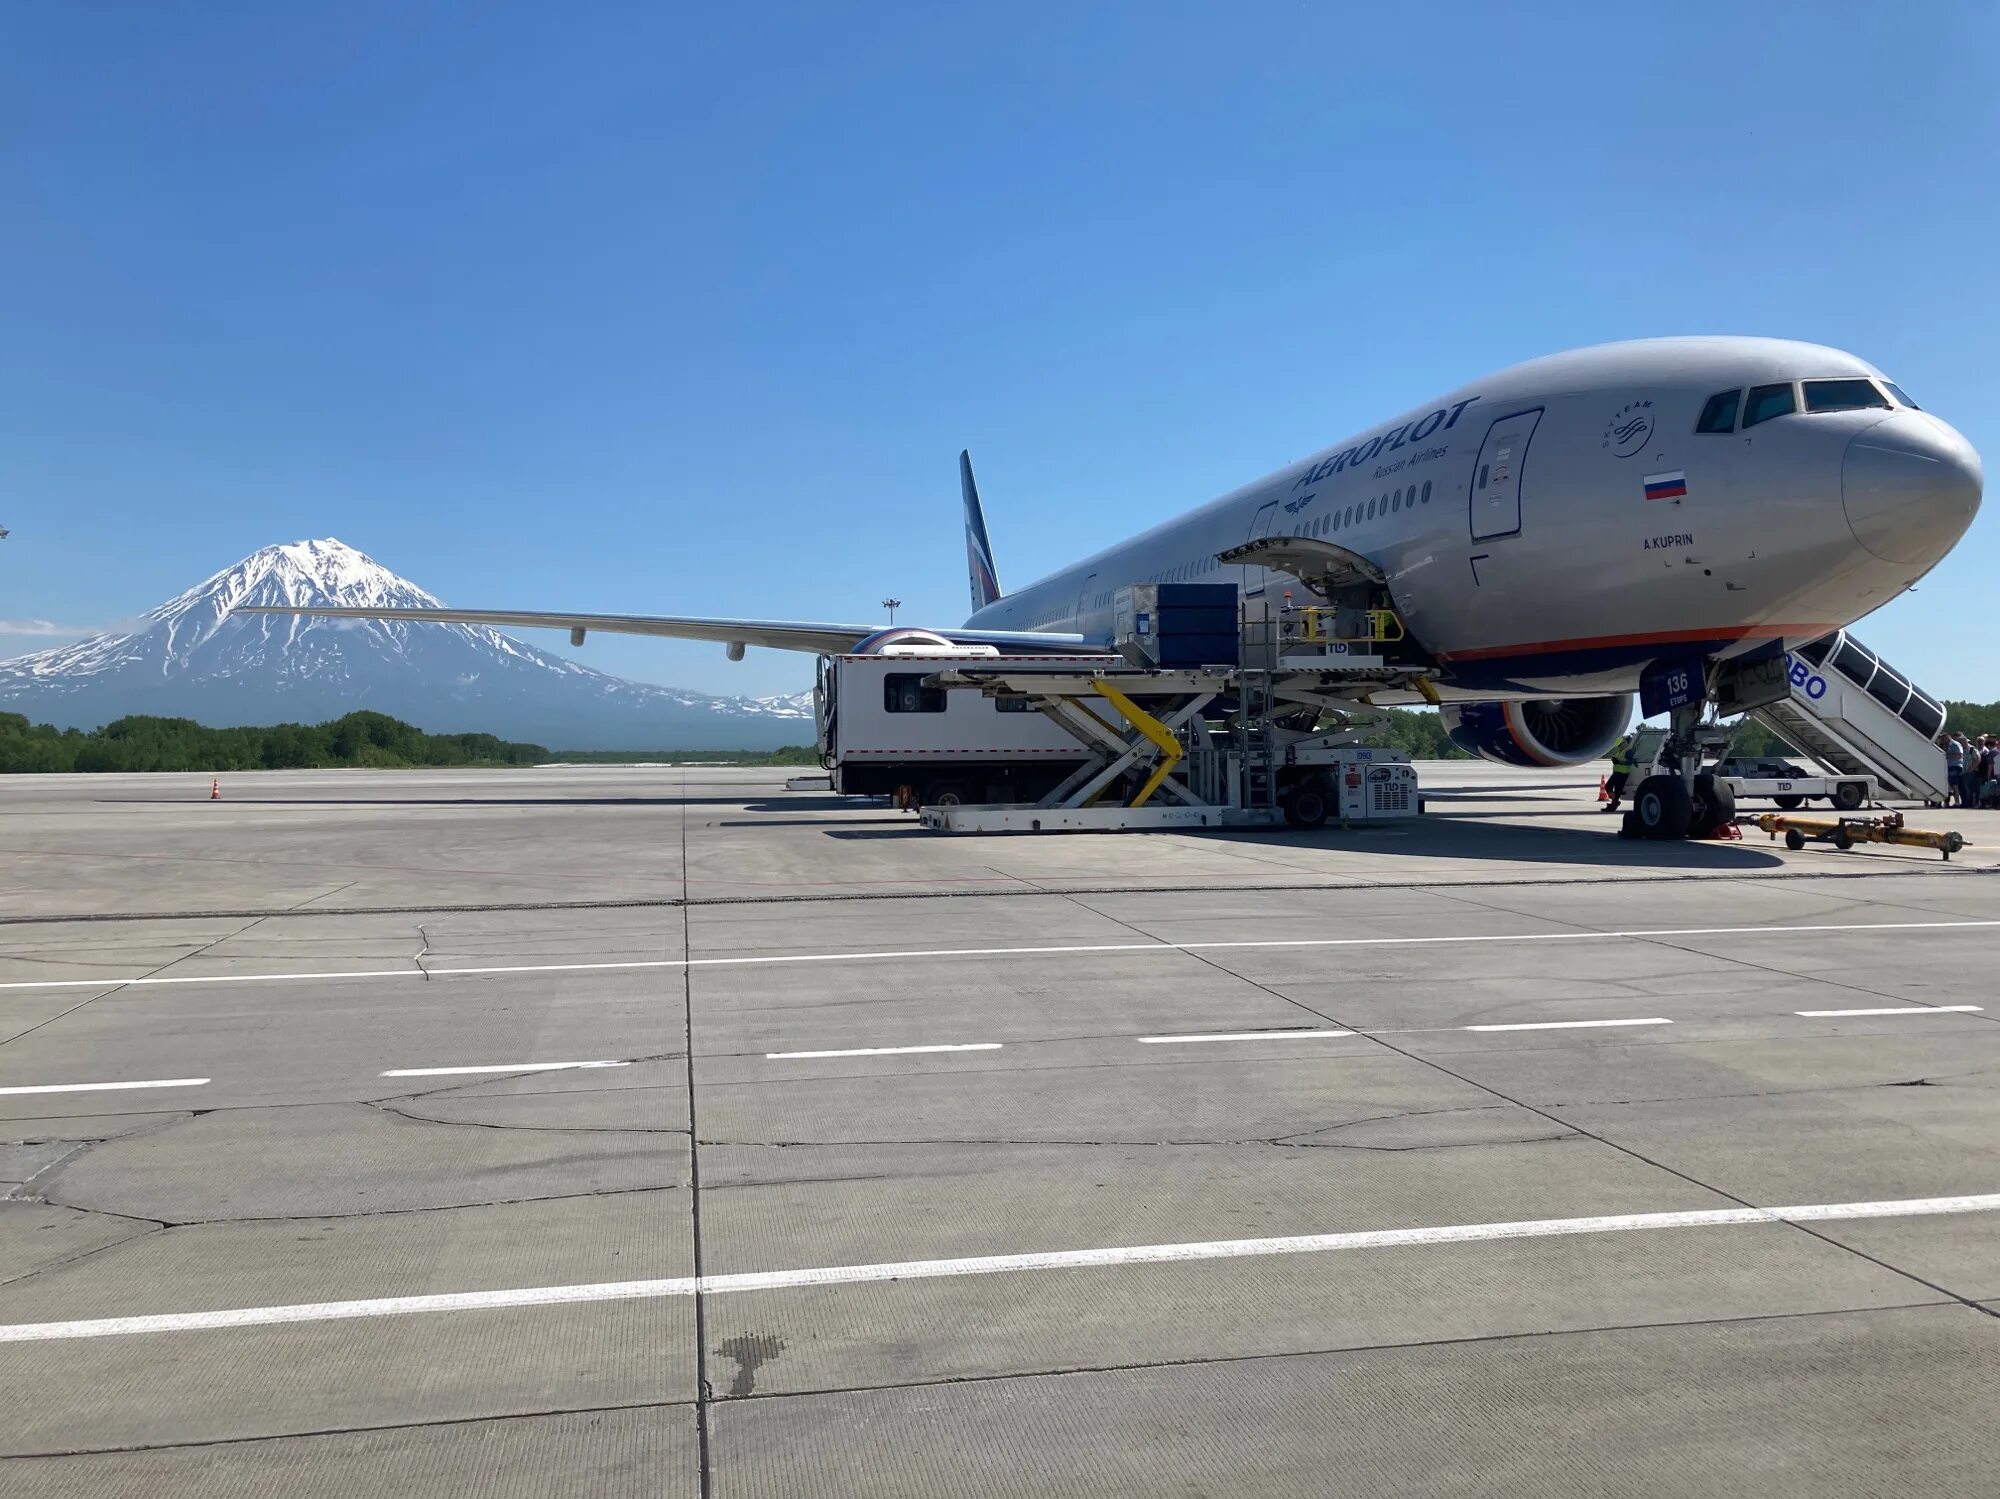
(1603, 789)
(215, 789)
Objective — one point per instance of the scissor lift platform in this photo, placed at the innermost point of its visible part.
(1143, 728)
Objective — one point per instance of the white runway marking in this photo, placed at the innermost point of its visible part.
(897, 954)
(500, 1067)
(157, 1082)
(1566, 1025)
(1299, 1035)
(989, 1264)
(885, 1051)
(1895, 1010)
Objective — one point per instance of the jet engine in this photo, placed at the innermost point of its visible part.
(906, 640)
(1548, 731)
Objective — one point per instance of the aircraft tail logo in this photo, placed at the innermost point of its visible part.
(978, 550)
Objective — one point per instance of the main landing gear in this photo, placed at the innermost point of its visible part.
(1684, 802)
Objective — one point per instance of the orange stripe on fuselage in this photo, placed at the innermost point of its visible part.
(1650, 637)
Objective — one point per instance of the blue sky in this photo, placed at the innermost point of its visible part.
(653, 308)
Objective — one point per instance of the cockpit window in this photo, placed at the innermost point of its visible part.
(1843, 395)
(1767, 401)
(1901, 399)
(1719, 415)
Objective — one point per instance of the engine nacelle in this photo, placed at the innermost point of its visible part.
(1549, 731)
(905, 640)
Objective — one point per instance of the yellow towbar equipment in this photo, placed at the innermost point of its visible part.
(1168, 746)
(1844, 832)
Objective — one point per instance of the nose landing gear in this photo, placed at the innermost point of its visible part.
(1669, 807)
(1680, 800)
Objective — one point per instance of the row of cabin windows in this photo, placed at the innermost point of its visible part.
(1367, 510)
(1762, 402)
(1333, 520)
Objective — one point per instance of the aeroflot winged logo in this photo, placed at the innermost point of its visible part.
(1630, 430)
(1441, 420)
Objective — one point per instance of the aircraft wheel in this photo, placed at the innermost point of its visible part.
(1664, 808)
(1849, 795)
(1307, 808)
(1790, 803)
(1714, 805)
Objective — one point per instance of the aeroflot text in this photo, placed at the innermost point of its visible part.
(1441, 420)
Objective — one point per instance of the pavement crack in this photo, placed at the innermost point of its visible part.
(1425, 1149)
(1938, 1080)
(179, 1224)
(24, 1191)
(81, 1255)
(492, 1079)
(112, 986)
(1108, 1143)
(548, 1129)
(1601, 1137)
(1070, 1371)
(202, 1444)
(794, 896)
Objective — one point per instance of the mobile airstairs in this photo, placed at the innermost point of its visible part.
(1854, 715)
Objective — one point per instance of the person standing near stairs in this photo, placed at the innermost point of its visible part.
(1621, 770)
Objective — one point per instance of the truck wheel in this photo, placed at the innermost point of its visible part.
(1849, 795)
(944, 794)
(1307, 808)
(1714, 805)
(1664, 808)
(1790, 803)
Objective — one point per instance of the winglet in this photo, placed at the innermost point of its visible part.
(978, 550)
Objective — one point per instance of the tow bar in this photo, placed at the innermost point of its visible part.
(1844, 832)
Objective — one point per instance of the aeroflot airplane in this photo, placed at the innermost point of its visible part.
(1547, 534)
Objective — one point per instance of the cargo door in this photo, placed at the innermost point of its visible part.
(1083, 602)
(1496, 480)
(1260, 527)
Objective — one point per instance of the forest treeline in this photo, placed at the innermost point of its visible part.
(145, 743)
(1418, 734)
(382, 742)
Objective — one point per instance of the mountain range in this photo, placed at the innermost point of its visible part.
(192, 658)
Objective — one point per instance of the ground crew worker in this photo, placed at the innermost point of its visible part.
(1621, 770)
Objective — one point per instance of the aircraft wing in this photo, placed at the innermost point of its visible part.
(778, 634)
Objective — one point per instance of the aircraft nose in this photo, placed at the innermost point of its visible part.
(1911, 486)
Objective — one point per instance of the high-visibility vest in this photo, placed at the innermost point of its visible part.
(1621, 756)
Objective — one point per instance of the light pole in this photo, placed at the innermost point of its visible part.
(892, 605)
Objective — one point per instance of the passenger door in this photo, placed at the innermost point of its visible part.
(1496, 479)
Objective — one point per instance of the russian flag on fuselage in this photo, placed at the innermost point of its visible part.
(1666, 486)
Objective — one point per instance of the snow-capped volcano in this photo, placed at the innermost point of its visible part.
(193, 658)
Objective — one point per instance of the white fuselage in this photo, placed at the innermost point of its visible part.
(1555, 527)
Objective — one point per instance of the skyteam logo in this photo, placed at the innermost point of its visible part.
(1630, 430)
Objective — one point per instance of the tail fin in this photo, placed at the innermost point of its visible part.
(978, 550)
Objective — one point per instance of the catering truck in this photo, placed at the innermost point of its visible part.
(882, 731)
